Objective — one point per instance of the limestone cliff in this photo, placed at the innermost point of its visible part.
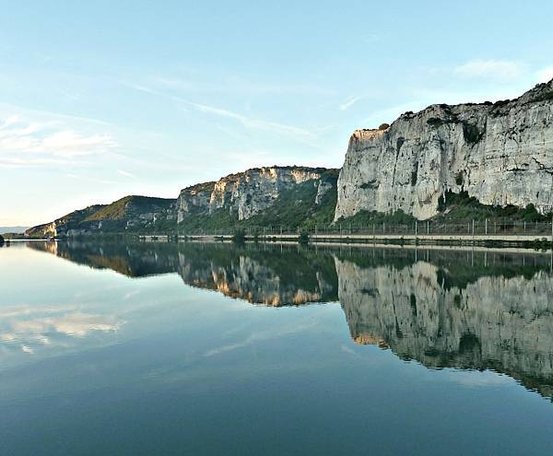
(244, 195)
(501, 154)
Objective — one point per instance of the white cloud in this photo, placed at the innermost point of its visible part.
(503, 70)
(349, 102)
(80, 324)
(27, 349)
(546, 74)
(30, 329)
(477, 379)
(68, 143)
(126, 174)
(30, 143)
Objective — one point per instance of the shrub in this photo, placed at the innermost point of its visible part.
(459, 178)
(384, 126)
(543, 97)
(435, 121)
(303, 238)
(472, 133)
(239, 237)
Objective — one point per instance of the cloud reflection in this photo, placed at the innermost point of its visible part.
(28, 329)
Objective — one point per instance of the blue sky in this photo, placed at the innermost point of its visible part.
(103, 99)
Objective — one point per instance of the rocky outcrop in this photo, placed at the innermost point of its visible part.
(194, 200)
(246, 194)
(501, 154)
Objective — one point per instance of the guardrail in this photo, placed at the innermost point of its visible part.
(490, 228)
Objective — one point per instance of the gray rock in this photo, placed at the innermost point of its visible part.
(246, 194)
(501, 154)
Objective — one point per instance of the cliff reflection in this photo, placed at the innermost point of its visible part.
(267, 275)
(469, 310)
(494, 322)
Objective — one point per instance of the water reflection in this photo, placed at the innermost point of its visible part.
(463, 309)
(26, 328)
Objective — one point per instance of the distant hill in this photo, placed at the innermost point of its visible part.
(129, 214)
(289, 196)
(12, 229)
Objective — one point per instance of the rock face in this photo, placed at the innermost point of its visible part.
(501, 154)
(246, 194)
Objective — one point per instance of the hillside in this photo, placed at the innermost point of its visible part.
(274, 196)
(445, 163)
(131, 214)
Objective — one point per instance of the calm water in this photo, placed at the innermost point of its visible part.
(216, 349)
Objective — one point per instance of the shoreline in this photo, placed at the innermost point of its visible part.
(458, 243)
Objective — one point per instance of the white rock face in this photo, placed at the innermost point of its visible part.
(501, 154)
(248, 193)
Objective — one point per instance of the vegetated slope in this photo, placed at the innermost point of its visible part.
(133, 214)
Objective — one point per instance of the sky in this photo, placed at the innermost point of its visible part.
(103, 99)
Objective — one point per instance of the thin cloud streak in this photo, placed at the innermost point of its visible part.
(54, 117)
(247, 122)
(29, 329)
(349, 102)
(12, 163)
(238, 85)
(90, 179)
(504, 70)
(126, 174)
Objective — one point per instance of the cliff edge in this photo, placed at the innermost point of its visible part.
(500, 153)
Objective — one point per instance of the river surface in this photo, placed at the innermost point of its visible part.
(213, 349)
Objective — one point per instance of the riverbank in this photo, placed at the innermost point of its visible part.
(500, 240)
